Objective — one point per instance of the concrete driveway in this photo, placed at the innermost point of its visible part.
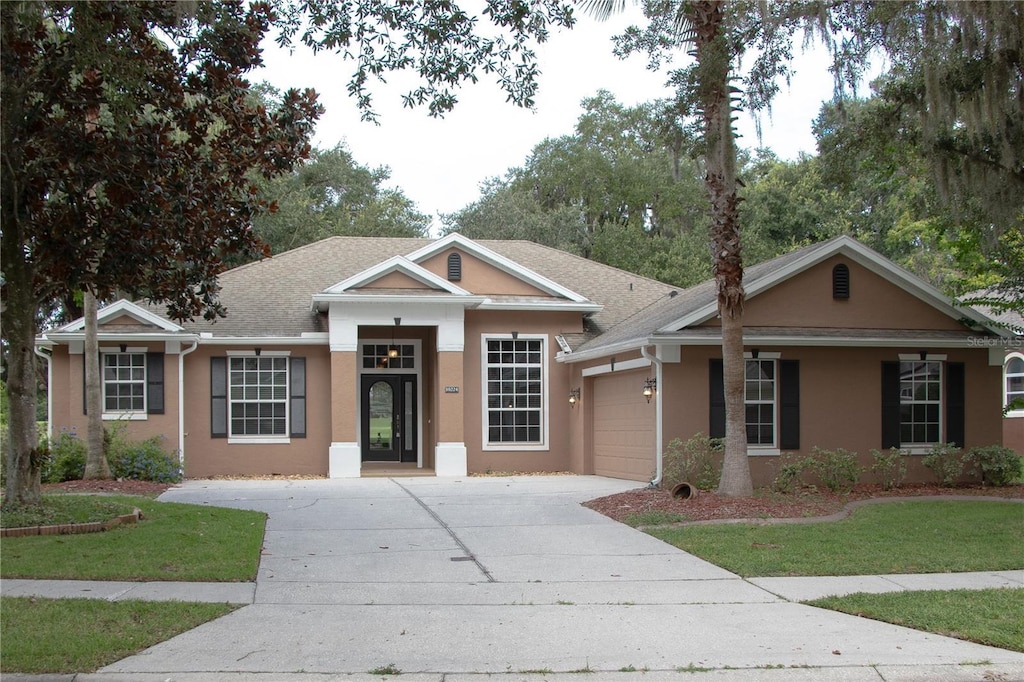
(453, 577)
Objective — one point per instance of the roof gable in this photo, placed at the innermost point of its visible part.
(396, 265)
(496, 260)
(767, 275)
(117, 312)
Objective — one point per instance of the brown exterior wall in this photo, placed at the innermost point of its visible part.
(67, 393)
(555, 457)
(207, 456)
(840, 401)
(479, 277)
(875, 303)
(1013, 434)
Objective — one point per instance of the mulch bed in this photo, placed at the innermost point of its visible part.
(704, 506)
(708, 506)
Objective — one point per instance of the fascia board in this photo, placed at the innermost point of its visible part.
(603, 351)
(819, 341)
(124, 307)
(466, 301)
(587, 307)
(396, 264)
(65, 337)
(497, 260)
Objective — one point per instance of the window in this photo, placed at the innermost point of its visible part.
(1014, 384)
(920, 402)
(760, 402)
(514, 387)
(124, 383)
(258, 396)
(389, 355)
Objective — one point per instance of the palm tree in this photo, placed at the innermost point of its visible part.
(702, 23)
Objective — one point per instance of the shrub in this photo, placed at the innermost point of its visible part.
(66, 461)
(994, 464)
(140, 460)
(946, 462)
(698, 461)
(791, 473)
(838, 469)
(891, 467)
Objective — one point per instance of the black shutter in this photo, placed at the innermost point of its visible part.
(890, 405)
(955, 390)
(297, 407)
(219, 397)
(789, 404)
(155, 383)
(85, 396)
(716, 384)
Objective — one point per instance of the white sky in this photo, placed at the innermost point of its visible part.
(439, 163)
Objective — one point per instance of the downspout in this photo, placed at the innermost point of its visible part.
(181, 405)
(49, 391)
(659, 450)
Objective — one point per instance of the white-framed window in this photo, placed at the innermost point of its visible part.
(258, 396)
(124, 384)
(515, 392)
(1013, 383)
(761, 401)
(920, 402)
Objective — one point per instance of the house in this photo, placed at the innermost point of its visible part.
(1013, 381)
(459, 356)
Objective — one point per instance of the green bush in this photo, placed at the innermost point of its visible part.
(837, 469)
(891, 467)
(791, 473)
(66, 461)
(698, 461)
(946, 462)
(994, 465)
(144, 460)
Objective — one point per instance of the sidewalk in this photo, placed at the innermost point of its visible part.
(790, 589)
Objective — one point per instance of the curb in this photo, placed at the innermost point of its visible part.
(73, 528)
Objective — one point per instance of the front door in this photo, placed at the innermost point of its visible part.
(389, 419)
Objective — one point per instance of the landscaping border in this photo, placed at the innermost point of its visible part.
(73, 528)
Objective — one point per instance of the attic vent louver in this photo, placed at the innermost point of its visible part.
(454, 267)
(841, 282)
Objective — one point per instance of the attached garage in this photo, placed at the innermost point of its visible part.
(624, 427)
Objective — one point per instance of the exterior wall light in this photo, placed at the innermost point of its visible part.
(574, 397)
(650, 386)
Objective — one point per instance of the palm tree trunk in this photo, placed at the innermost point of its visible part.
(713, 65)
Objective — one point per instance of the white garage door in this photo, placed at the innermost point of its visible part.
(624, 426)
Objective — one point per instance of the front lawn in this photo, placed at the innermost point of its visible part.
(181, 542)
(901, 537)
(992, 617)
(82, 635)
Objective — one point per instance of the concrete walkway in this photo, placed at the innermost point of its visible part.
(458, 579)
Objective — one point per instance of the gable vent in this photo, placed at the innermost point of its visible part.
(454, 267)
(841, 282)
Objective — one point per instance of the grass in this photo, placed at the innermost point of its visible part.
(991, 617)
(60, 509)
(906, 537)
(653, 518)
(172, 542)
(82, 635)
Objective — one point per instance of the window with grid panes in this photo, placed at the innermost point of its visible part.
(515, 391)
(920, 402)
(760, 402)
(258, 396)
(1014, 375)
(124, 382)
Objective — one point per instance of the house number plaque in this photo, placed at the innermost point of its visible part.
(451, 389)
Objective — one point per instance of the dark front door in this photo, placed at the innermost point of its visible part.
(389, 420)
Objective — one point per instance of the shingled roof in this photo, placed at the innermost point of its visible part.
(273, 297)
